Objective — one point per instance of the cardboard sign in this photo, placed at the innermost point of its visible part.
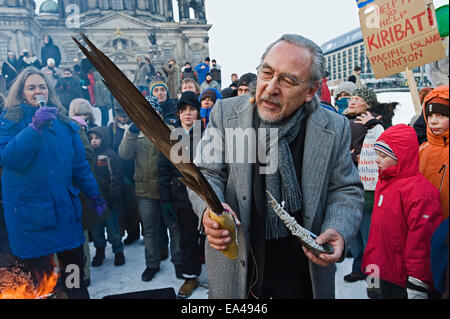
(399, 34)
(367, 168)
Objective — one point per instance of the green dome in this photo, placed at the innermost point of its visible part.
(49, 6)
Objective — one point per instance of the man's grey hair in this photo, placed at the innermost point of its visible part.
(318, 61)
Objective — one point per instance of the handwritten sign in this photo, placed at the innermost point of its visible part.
(400, 34)
(367, 168)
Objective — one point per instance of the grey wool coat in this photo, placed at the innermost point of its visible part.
(332, 193)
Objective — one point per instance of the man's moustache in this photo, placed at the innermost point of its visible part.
(271, 100)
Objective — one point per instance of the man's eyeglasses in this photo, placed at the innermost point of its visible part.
(285, 80)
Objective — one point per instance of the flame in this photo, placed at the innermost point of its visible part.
(26, 290)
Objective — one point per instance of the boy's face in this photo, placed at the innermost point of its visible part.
(438, 123)
(96, 141)
(207, 103)
(123, 119)
(384, 161)
(188, 114)
(188, 86)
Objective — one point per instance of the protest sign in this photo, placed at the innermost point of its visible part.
(367, 168)
(399, 34)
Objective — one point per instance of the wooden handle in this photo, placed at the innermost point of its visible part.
(414, 92)
(226, 221)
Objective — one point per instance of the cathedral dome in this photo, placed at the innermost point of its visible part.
(49, 6)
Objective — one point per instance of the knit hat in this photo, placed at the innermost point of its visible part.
(246, 79)
(384, 148)
(209, 93)
(153, 101)
(348, 87)
(189, 98)
(437, 105)
(158, 83)
(368, 95)
(50, 61)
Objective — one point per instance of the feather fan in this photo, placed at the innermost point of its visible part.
(148, 120)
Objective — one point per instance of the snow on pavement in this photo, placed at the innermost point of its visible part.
(110, 280)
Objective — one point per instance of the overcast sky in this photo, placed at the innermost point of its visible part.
(242, 29)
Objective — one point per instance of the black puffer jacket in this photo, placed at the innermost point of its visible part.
(108, 169)
(50, 50)
(170, 188)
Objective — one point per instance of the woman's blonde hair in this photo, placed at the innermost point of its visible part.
(15, 95)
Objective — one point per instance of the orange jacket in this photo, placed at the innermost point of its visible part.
(434, 155)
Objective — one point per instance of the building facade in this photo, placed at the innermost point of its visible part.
(347, 51)
(122, 29)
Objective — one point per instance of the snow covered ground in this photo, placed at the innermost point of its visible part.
(110, 280)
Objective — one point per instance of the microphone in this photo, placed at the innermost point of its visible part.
(41, 100)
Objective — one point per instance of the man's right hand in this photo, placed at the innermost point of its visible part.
(218, 237)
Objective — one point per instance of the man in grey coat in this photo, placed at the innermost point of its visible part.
(314, 176)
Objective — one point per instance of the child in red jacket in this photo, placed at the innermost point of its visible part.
(407, 210)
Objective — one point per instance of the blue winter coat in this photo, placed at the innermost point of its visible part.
(41, 204)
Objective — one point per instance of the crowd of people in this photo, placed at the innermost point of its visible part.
(372, 190)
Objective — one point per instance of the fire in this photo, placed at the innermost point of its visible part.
(25, 289)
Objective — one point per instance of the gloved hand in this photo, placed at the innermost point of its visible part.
(134, 129)
(416, 289)
(42, 117)
(169, 211)
(99, 204)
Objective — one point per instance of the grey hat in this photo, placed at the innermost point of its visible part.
(348, 87)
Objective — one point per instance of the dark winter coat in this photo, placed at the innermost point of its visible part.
(406, 213)
(173, 78)
(189, 74)
(25, 62)
(49, 50)
(41, 204)
(169, 111)
(68, 89)
(170, 188)
(10, 69)
(358, 133)
(216, 74)
(116, 133)
(101, 92)
(108, 169)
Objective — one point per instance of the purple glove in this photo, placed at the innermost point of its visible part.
(42, 117)
(99, 204)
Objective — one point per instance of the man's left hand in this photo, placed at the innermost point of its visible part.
(332, 237)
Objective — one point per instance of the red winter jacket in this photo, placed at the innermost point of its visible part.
(325, 92)
(407, 210)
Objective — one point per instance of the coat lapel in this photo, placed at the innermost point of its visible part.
(318, 147)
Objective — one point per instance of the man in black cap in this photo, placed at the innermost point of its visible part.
(243, 86)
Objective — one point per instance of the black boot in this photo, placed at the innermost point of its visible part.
(119, 259)
(99, 257)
